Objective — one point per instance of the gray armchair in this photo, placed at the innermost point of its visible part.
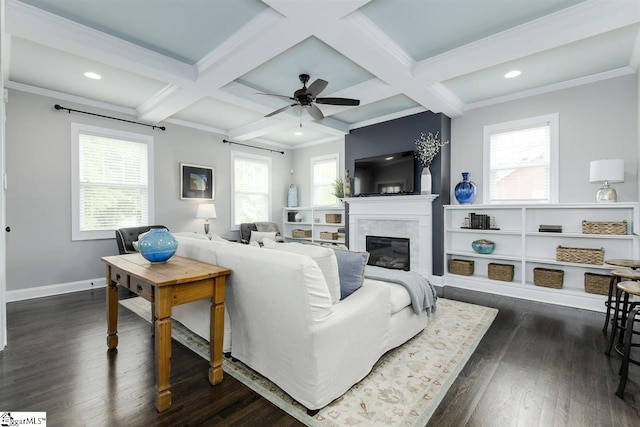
(126, 236)
(247, 227)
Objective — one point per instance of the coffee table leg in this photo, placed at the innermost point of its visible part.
(216, 330)
(163, 363)
(112, 312)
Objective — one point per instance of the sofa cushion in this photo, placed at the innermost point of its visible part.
(398, 296)
(351, 270)
(260, 236)
(324, 257)
(191, 234)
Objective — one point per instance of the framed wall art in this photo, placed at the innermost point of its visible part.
(196, 182)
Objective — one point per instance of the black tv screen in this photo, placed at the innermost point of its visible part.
(387, 174)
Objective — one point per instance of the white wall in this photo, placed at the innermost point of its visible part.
(38, 153)
(302, 162)
(597, 121)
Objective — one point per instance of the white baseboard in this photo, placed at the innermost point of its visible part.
(49, 290)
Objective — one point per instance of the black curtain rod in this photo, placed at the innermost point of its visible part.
(225, 141)
(60, 107)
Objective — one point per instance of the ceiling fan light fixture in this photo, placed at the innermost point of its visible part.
(513, 73)
(298, 132)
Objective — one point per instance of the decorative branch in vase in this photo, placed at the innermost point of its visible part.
(427, 147)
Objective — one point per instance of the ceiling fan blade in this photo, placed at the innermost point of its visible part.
(316, 87)
(338, 101)
(280, 110)
(279, 96)
(315, 112)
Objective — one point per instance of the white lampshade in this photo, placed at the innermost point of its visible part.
(206, 210)
(610, 170)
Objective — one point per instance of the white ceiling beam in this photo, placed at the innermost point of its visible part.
(309, 12)
(258, 128)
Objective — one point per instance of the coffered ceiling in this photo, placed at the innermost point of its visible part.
(200, 63)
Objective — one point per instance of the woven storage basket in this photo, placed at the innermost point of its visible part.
(327, 235)
(502, 272)
(597, 283)
(604, 227)
(461, 266)
(301, 233)
(580, 255)
(333, 218)
(547, 277)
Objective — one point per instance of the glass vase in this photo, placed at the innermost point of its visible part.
(465, 190)
(425, 181)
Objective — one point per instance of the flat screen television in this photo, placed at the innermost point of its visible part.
(384, 175)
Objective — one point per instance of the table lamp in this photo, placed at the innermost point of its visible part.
(206, 211)
(606, 171)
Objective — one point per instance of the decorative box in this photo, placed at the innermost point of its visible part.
(502, 272)
(597, 283)
(300, 233)
(461, 266)
(327, 235)
(580, 255)
(548, 277)
(333, 218)
(604, 227)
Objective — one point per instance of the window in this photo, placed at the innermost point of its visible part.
(112, 181)
(324, 172)
(521, 161)
(251, 187)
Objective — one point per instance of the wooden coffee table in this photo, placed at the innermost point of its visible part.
(177, 281)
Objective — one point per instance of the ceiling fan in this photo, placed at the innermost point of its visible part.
(306, 98)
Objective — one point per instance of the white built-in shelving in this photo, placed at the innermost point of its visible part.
(518, 242)
(313, 219)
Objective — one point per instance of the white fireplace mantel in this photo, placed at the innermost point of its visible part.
(395, 216)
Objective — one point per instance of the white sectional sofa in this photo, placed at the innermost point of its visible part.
(283, 323)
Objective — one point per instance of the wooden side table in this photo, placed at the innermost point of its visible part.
(177, 281)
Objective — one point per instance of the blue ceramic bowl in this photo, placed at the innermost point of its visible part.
(483, 246)
(158, 245)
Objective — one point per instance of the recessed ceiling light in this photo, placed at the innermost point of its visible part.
(512, 74)
(92, 75)
(389, 158)
(298, 132)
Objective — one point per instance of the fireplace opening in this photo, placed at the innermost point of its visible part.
(388, 252)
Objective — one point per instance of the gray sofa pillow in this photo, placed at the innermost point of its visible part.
(351, 270)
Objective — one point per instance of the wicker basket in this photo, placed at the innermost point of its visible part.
(461, 266)
(597, 283)
(604, 227)
(301, 233)
(502, 272)
(327, 235)
(580, 255)
(548, 277)
(333, 218)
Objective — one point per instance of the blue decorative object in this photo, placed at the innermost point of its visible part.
(483, 246)
(465, 190)
(158, 245)
(292, 198)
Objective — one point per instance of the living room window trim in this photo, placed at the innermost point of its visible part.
(553, 120)
(318, 159)
(76, 130)
(268, 161)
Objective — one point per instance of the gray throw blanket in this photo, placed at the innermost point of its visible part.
(422, 293)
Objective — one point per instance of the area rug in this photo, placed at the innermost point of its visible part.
(403, 389)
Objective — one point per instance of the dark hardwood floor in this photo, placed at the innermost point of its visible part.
(538, 365)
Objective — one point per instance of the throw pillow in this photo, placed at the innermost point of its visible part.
(260, 236)
(351, 269)
(324, 257)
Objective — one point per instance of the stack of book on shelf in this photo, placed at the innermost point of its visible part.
(340, 235)
(550, 228)
(479, 222)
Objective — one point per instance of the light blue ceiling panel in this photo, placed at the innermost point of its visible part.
(425, 28)
(384, 107)
(311, 56)
(218, 114)
(608, 51)
(185, 30)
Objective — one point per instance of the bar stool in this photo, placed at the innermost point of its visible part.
(633, 264)
(628, 288)
(616, 277)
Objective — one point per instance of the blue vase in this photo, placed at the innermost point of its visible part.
(465, 190)
(158, 245)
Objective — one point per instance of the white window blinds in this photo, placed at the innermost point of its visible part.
(251, 188)
(324, 172)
